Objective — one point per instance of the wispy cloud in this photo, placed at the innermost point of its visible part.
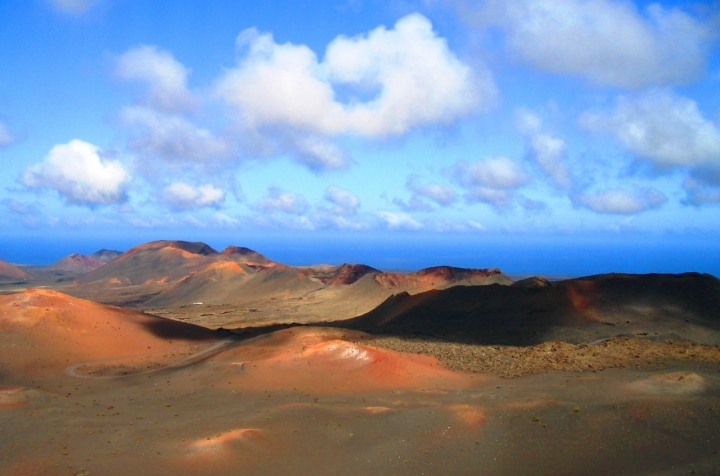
(659, 126)
(162, 73)
(181, 196)
(547, 151)
(6, 138)
(279, 200)
(73, 6)
(608, 42)
(399, 221)
(493, 180)
(621, 201)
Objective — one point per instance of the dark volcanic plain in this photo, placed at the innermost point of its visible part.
(174, 358)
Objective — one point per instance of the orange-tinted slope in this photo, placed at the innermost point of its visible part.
(331, 361)
(155, 262)
(46, 331)
(9, 271)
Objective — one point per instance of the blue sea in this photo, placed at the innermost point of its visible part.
(553, 256)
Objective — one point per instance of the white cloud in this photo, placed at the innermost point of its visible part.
(77, 171)
(73, 6)
(438, 193)
(399, 221)
(668, 130)
(608, 42)
(546, 150)
(182, 196)
(171, 136)
(279, 200)
(285, 91)
(166, 77)
(6, 138)
(622, 202)
(493, 180)
(344, 202)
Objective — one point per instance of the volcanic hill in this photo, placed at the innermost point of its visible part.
(11, 272)
(191, 280)
(75, 264)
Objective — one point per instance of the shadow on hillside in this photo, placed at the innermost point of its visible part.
(169, 329)
(576, 310)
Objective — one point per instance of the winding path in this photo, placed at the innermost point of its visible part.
(212, 350)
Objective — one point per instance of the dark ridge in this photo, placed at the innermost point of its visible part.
(170, 329)
(105, 256)
(238, 250)
(532, 282)
(576, 310)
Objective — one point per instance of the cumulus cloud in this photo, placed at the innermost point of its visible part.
(165, 76)
(546, 150)
(493, 180)
(621, 201)
(279, 200)
(399, 221)
(182, 196)
(283, 90)
(438, 193)
(609, 42)
(6, 138)
(668, 130)
(78, 172)
(171, 136)
(343, 201)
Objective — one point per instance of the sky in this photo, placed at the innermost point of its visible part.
(549, 136)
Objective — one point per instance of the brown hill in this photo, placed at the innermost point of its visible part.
(439, 277)
(9, 271)
(344, 274)
(175, 274)
(44, 331)
(157, 262)
(105, 256)
(283, 295)
(75, 264)
(241, 254)
(576, 310)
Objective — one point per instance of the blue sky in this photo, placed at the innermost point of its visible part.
(513, 125)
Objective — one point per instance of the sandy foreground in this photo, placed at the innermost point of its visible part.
(91, 389)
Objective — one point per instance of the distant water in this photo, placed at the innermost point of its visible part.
(559, 256)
